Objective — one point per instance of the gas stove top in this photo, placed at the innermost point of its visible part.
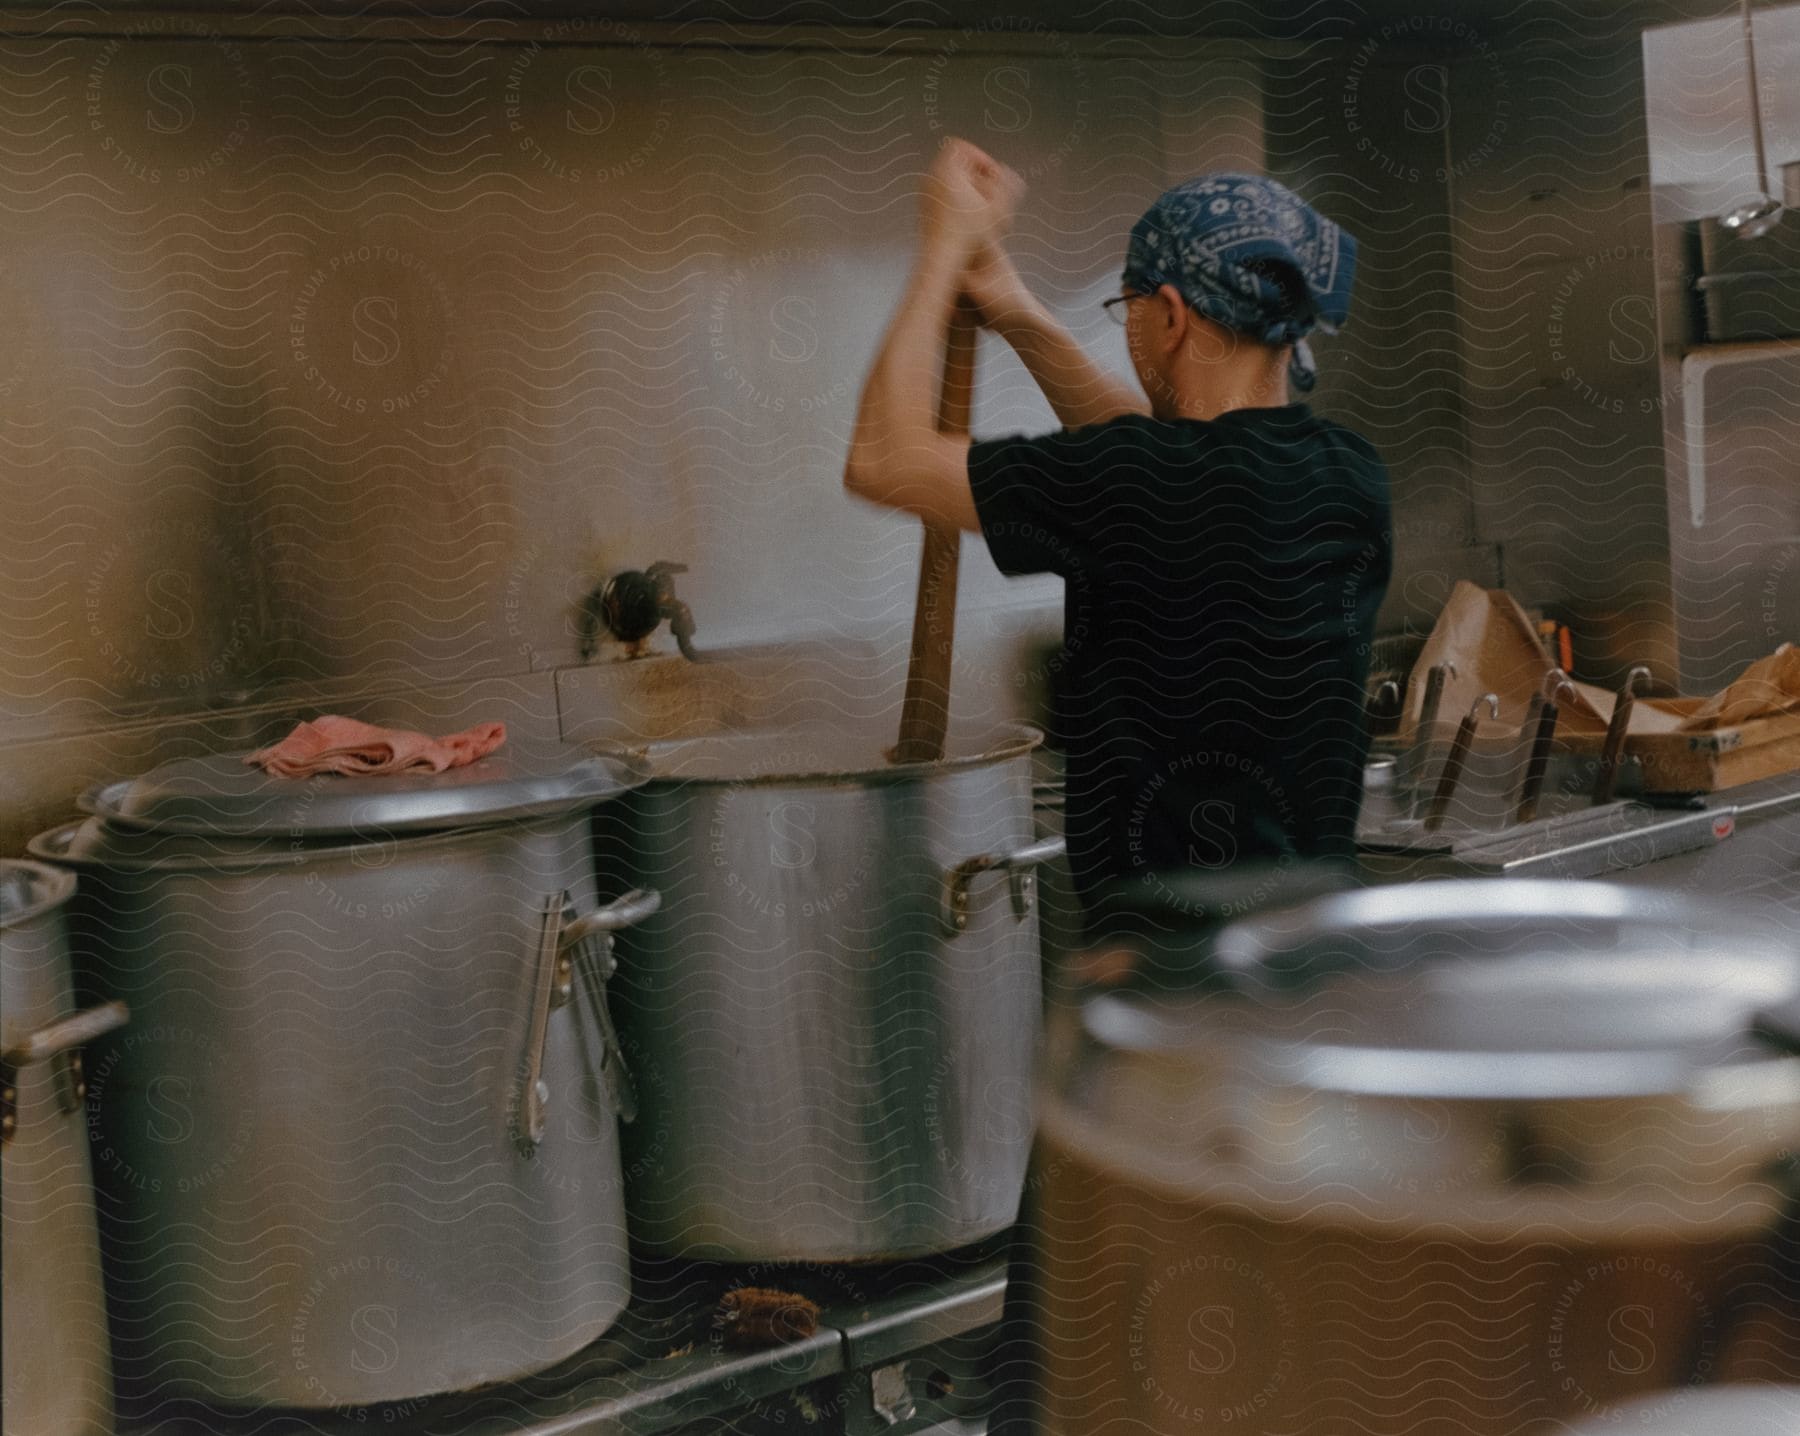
(898, 1350)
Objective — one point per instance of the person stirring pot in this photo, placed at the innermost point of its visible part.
(1224, 551)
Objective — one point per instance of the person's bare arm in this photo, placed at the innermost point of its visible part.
(897, 456)
(1079, 390)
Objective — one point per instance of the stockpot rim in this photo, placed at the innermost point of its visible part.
(50, 887)
(1373, 1052)
(50, 847)
(1247, 945)
(1005, 741)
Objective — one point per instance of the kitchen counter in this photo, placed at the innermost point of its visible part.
(1759, 863)
(896, 1352)
(1738, 842)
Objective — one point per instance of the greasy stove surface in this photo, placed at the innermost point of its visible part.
(664, 1366)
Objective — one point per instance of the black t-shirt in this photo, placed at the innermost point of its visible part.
(1222, 579)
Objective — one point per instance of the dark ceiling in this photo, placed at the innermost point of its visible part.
(1296, 20)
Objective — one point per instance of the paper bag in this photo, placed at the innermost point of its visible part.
(1768, 687)
(1487, 636)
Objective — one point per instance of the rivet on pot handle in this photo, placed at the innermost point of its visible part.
(63, 1039)
(1020, 865)
(589, 939)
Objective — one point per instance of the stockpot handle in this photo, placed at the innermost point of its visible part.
(67, 1033)
(54, 845)
(1020, 865)
(63, 1039)
(568, 941)
(588, 939)
(628, 911)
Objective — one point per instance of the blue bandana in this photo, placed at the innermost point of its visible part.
(1250, 254)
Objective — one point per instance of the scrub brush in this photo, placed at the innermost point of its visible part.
(754, 1316)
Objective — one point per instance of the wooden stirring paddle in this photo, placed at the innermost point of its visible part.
(925, 710)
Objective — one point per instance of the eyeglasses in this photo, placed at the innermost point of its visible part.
(1115, 307)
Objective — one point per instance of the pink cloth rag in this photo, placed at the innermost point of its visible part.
(336, 744)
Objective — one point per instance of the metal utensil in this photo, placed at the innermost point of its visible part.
(1538, 764)
(1458, 757)
(1613, 749)
(1757, 217)
(1413, 766)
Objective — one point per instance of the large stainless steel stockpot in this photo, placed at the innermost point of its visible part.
(359, 1144)
(1463, 1156)
(58, 1380)
(833, 1019)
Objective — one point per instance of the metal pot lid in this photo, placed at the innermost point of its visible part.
(821, 754)
(1483, 990)
(29, 889)
(1741, 1410)
(103, 847)
(221, 796)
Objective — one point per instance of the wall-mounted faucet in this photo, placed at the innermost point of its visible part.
(631, 604)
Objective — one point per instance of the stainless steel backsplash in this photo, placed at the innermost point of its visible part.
(339, 370)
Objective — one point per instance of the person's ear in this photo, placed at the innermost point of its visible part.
(1172, 319)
